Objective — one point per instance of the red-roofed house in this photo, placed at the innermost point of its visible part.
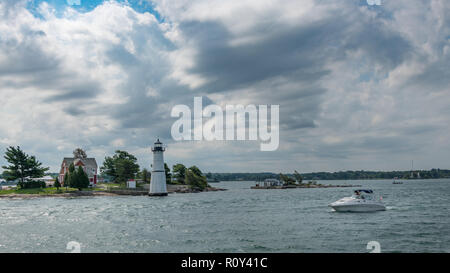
(89, 166)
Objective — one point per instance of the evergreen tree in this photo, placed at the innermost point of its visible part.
(57, 185)
(72, 176)
(79, 179)
(21, 165)
(66, 180)
(83, 179)
(122, 166)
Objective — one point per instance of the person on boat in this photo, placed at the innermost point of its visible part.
(359, 195)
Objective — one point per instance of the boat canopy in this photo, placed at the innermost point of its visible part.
(365, 191)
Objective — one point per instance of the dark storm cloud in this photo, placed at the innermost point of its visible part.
(435, 78)
(297, 54)
(73, 95)
(73, 111)
(382, 45)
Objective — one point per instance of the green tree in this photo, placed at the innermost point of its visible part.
(121, 166)
(57, 185)
(298, 177)
(74, 178)
(35, 168)
(72, 175)
(196, 170)
(179, 173)
(21, 165)
(195, 179)
(83, 179)
(168, 174)
(109, 167)
(286, 179)
(79, 153)
(66, 180)
(79, 179)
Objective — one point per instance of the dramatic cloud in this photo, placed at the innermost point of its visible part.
(359, 86)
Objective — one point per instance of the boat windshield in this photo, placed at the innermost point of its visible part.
(363, 196)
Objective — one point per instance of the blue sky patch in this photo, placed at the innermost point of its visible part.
(140, 6)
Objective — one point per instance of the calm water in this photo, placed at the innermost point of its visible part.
(237, 220)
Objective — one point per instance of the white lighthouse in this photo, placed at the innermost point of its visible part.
(158, 181)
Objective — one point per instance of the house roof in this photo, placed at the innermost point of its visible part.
(88, 162)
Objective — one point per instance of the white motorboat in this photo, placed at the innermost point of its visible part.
(360, 201)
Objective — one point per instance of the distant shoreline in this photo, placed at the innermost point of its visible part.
(356, 179)
(339, 175)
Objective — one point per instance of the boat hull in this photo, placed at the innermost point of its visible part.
(358, 207)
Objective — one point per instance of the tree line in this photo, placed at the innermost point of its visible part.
(342, 175)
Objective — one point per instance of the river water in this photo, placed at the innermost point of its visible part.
(236, 220)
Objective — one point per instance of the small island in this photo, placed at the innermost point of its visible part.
(288, 182)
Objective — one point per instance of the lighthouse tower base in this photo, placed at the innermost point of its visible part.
(158, 194)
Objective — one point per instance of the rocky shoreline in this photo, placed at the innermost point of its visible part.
(67, 195)
(118, 192)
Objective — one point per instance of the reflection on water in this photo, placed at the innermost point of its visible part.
(237, 220)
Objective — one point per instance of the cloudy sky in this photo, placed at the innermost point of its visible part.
(359, 86)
